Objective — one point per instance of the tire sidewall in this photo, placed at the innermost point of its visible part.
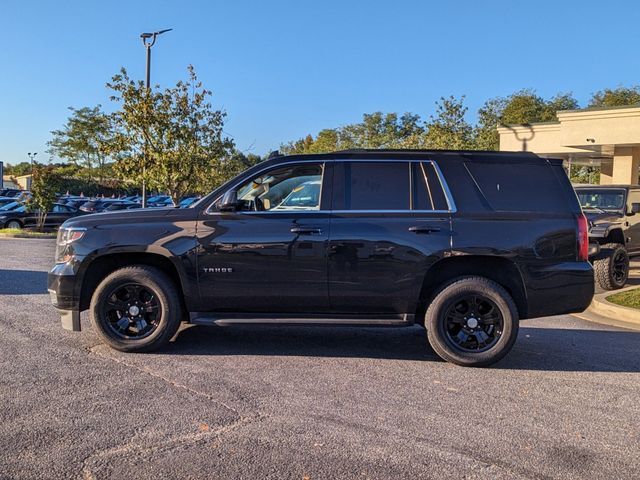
(436, 327)
(16, 224)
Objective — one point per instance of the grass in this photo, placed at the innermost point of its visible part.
(630, 298)
(22, 233)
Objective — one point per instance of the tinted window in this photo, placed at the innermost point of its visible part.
(518, 187)
(427, 189)
(371, 186)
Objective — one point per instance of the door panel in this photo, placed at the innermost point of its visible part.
(377, 263)
(633, 232)
(263, 262)
(272, 257)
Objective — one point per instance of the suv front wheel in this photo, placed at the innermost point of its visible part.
(472, 322)
(136, 309)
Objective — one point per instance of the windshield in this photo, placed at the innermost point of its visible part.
(11, 206)
(599, 199)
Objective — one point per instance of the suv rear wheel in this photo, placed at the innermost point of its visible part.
(472, 322)
(612, 266)
(136, 309)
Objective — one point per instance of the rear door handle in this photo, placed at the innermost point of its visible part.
(306, 230)
(424, 229)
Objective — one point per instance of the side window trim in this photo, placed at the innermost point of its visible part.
(327, 166)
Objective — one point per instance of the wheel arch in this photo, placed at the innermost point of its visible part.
(501, 270)
(101, 265)
(615, 235)
(7, 222)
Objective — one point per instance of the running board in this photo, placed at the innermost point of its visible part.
(221, 319)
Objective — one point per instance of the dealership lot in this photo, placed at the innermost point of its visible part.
(302, 402)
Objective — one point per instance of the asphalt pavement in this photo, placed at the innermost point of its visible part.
(306, 403)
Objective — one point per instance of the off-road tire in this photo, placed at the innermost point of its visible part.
(447, 296)
(167, 298)
(606, 264)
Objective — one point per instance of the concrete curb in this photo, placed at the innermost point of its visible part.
(602, 306)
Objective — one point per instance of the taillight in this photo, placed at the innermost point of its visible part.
(583, 238)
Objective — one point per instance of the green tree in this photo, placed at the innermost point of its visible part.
(449, 129)
(179, 129)
(616, 97)
(521, 107)
(84, 141)
(17, 170)
(45, 185)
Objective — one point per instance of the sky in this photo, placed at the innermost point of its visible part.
(283, 69)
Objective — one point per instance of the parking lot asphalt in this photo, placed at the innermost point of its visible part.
(306, 403)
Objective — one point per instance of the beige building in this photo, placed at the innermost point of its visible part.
(608, 138)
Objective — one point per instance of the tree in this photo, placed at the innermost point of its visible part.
(84, 140)
(616, 97)
(17, 170)
(179, 129)
(448, 129)
(44, 188)
(521, 107)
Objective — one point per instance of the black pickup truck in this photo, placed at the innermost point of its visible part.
(613, 212)
(463, 243)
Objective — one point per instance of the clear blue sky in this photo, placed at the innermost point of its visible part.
(282, 69)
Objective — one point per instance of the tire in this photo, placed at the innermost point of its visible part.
(611, 268)
(157, 305)
(449, 321)
(13, 224)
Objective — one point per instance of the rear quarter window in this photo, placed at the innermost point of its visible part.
(519, 187)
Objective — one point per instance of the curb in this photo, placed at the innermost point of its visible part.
(602, 306)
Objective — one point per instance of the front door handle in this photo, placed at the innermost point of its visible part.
(306, 230)
(424, 229)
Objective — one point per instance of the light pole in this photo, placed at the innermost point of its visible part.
(148, 40)
(32, 157)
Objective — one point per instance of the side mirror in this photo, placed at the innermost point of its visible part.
(229, 202)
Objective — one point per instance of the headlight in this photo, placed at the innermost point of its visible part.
(67, 236)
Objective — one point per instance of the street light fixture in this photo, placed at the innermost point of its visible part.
(32, 157)
(148, 40)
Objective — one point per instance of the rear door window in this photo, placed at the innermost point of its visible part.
(371, 186)
(427, 189)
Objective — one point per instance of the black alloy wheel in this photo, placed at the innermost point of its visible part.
(132, 311)
(620, 266)
(474, 323)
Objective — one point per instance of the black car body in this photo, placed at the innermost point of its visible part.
(354, 237)
(613, 212)
(21, 217)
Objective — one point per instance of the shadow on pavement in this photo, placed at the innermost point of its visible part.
(22, 282)
(545, 349)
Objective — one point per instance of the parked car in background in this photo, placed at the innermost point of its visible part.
(613, 212)
(6, 200)
(188, 201)
(160, 201)
(10, 192)
(99, 205)
(462, 243)
(123, 205)
(20, 217)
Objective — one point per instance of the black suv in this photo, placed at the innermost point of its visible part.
(613, 212)
(463, 243)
